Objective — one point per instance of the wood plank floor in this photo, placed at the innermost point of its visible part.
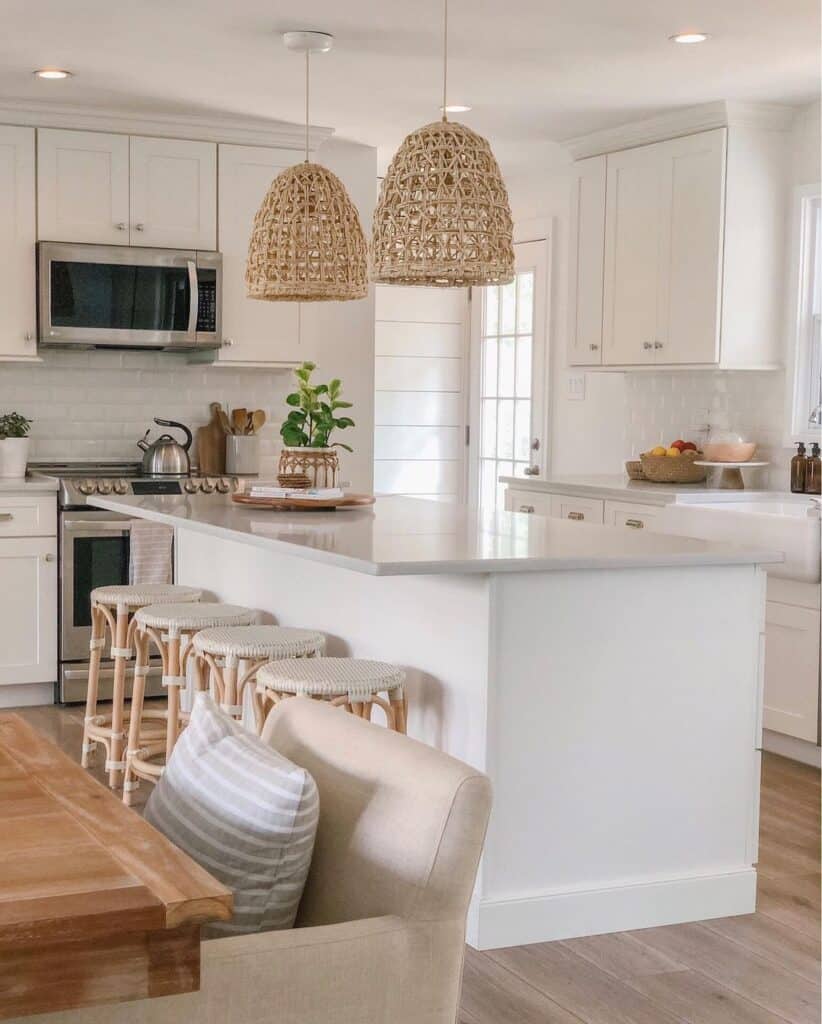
(760, 969)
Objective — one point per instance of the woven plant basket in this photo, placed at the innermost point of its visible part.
(307, 243)
(443, 217)
(320, 465)
(662, 469)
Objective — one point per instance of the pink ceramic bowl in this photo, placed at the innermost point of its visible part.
(729, 451)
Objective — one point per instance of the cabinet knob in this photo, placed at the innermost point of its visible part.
(526, 508)
(48, 558)
(28, 336)
(228, 342)
(593, 348)
(658, 344)
(139, 227)
(647, 345)
(121, 226)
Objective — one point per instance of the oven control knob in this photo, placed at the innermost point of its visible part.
(86, 487)
(223, 486)
(121, 486)
(191, 486)
(207, 486)
(104, 487)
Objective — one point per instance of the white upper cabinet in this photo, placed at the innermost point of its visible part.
(173, 193)
(18, 328)
(254, 331)
(634, 223)
(691, 242)
(586, 261)
(82, 187)
(111, 189)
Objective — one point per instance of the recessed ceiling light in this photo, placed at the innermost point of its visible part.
(689, 37)
(456, 108)
(52, 73)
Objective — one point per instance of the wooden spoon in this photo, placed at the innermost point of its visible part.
(224, 421)
(238, 420)
(257, 421)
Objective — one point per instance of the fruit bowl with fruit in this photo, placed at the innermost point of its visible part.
(673, 464)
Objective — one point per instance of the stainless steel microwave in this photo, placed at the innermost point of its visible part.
(128, 297)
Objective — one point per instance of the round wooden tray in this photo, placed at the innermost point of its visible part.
(291, 503)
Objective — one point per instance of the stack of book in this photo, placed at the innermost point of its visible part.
(268, 490)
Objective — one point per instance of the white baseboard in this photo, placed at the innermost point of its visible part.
(789, 746)
(26, 695)
(569, 915)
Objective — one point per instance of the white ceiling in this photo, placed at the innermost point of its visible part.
(534, 70)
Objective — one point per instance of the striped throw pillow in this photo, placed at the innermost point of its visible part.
(243, 812)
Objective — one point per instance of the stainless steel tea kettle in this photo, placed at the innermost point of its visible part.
(165, 456)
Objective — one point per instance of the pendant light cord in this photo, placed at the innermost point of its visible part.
(444, 59)
(307, 80)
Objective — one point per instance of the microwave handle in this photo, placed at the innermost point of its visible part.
(194, 301)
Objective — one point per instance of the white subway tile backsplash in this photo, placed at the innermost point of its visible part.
(96, 405)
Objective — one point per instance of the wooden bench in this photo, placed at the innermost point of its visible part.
(95, 905)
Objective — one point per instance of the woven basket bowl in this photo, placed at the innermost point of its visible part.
(662, 469)
(634, 469)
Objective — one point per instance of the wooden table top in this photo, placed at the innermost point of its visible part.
(78, 869)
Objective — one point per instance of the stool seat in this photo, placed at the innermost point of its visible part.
(327, 677)
(144, 594)
(190, 617)
(253, 642)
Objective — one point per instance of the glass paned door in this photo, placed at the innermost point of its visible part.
(509, 349)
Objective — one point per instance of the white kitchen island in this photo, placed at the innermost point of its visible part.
(609, 682)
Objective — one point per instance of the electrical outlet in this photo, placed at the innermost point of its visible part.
(576, 387)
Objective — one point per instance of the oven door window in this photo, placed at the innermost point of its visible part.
(98, 562)
(112, 296)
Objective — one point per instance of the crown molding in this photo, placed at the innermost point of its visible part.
(720, 114)
(242, 131)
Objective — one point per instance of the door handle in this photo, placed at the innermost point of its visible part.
(194, 298)
(95, 525)
(531, 471)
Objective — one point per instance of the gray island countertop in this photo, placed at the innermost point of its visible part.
(407, 536)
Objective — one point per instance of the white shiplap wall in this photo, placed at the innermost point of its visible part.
(419, 402)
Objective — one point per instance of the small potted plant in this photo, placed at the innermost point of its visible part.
(308, 451)
(14, 444)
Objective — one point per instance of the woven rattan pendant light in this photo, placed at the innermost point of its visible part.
(443, 216)
(307, 243)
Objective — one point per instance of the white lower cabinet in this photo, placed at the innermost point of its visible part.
(632, 517)
(531, 502)
(792, 669)
(28, 610)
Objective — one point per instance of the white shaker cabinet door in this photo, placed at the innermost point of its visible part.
(792, 670)
(18, 328)
(173, 193)
(254, 331)
(634, 223)
(691, 257)
(28, 610)
(82, 187)
(586, 253)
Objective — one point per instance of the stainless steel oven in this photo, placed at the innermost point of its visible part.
(129, 297)
(94, 552)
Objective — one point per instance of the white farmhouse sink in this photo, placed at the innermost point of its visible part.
(792, 527)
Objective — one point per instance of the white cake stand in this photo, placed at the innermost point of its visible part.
(731, 477)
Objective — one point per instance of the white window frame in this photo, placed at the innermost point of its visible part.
(803, 355)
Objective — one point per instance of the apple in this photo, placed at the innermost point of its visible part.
(688, 446)
(679, 444)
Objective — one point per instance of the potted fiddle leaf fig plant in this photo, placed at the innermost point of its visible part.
(308, 451)
(14, 444)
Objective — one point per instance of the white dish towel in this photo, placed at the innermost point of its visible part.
(150, 552)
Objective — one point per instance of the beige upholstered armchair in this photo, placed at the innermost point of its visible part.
(382, 921)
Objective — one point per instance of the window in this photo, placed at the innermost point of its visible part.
(806, 393)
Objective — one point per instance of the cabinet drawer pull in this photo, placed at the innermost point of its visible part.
(647, 345)
(576, 515)
(526, 508)
(593, 347)
(5, 517)
(658, 344)
(635, 524)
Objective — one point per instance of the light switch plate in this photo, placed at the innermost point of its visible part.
(576, 387)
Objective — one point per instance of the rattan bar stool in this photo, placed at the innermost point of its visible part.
(234, 654)
(170, 627)
(351, 683)
(113, 608)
